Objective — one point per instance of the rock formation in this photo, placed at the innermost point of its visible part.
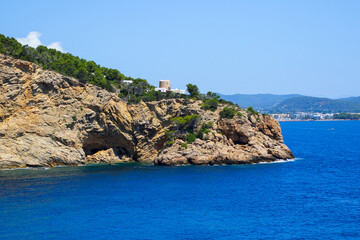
(48, 119)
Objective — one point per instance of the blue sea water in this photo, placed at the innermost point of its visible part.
(317, 196)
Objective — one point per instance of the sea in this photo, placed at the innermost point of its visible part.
(314, 196)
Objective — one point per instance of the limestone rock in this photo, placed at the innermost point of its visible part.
(48, 119)
(110, 155)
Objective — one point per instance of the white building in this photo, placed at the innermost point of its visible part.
(126, 81)
(161, 89)
(178, 91)
(164, 86)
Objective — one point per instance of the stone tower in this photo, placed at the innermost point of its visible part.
(165, 84)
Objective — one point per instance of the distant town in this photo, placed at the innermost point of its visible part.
(302, 116)
(295, 107)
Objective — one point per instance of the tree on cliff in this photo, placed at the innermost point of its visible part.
(193, 90)
(186, 123)
(67, 64)
(90, 72)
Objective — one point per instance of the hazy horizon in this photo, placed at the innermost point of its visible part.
(285, 94)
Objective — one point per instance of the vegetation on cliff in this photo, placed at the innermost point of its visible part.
(228, 113)
(212, 102)
(184, 128)
(193, 90)
(252, 111)
(73, 66)
(107, 78)
(188, 129)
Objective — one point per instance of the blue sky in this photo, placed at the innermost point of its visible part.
(280, 47)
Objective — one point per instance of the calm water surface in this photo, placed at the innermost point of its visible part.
(315, 197)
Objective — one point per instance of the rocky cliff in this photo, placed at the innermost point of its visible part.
(47, 119)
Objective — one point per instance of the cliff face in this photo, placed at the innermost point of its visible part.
(47, 119)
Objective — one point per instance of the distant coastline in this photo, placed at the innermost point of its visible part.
(317, 120)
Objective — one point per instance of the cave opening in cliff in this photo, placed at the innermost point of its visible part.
(239, 142)
(93, 149)
(94, 143)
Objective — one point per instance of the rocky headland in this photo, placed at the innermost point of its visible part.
(47, 119)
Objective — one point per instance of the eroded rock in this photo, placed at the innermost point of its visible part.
(47, 119)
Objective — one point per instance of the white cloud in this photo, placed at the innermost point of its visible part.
(57, 46)
(33, 40)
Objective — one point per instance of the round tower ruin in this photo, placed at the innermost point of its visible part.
(165, 84)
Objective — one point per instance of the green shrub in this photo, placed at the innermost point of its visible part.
(170, 143)
(186, 120)
(186, 123)
(228, 113)
(70, 125)
(204, 129)
(184, 145)
(227, 102)
(157, 96)
(170, 134)
(213, 95)
(239, 114)
(252, 111)
(210, 104)
(186, 102)
(134, 99)
(193, 90)
(190, 138)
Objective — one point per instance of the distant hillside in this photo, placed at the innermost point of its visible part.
(351, 99)
(313, 104)
(291, 103)
(257, 101)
